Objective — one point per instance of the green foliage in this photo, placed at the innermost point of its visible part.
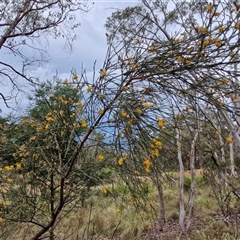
(187, 183)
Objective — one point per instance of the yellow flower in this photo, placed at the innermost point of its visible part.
(217, 132)
(179, 116)
(75, 76)
(161, 122)
(1, 219)
(130, 122)
(18, 166)
(100, 157)
(218, 43)
(9, 168)
(118, 209)
(179, 59)
(155, 152)
(32, 138)
(105, 191)
(124, 114)
(232, 54)
(220, 28)
(157, 143)
(229, 139)
(147, 105)
(100, 111)
(101, 95)
(223, 81)
(3, 203)
(47, 126)
(79, 104)
(50, 119)
(206, 43)
(103, 73)
(152, 48)
(137, 172)
(83, 123)
(237, 25)
(199, 43)
(203, 29)
(138, 110)
(147, 164)
(188, 109)
(9, 180)
(188, 61)
(89, 89)
(121, 160)
(134, 65)
(209, 8)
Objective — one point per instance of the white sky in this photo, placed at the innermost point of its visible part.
(89, 47)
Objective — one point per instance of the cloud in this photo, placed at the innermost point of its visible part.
(90, 46)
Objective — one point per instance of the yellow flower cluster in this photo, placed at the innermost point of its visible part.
(147, 105)
(121, 160)
(49, 118)
(9, 168)
(75, 76)
(220, 28)
(161, 122)
(103, 73)
(147, 163)
(223, 81)
(152, 48)
(124, 114)
(64, 101)
(155, 152)
(188, 109)
(229, 139)
(83, 123)
(138, 110)
(100, 157)
(89, 89)
(155, 146)
(100, 111)
(156, 143)
(104, 189)
(218, 43)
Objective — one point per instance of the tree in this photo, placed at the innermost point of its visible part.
(25, 26)
(37, 150)
(197, 57)
(185, 53)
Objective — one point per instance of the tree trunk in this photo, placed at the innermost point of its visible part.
(231, 152)
(161, 214)
(181, 181)
(192, 194)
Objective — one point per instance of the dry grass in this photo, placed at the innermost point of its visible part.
(116, 215)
